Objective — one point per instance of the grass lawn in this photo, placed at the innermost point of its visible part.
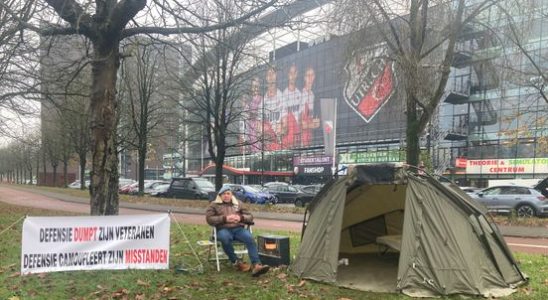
(170, 284)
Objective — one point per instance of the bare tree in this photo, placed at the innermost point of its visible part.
(142, 78)
(75, 120)
(213, 105)
(105, 24)
(419, 37)
(524, 66)
(52, 146)
(8, 163)
(31, 150)
(13, 48)
(17, 159)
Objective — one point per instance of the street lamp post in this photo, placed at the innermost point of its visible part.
(262, 141)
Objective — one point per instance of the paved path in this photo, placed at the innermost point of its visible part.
(271, 221)
(22, 197)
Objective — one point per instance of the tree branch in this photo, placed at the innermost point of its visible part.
(124, 11)
(392, 29)
(174, 30)
(446, 65)
(73, 13)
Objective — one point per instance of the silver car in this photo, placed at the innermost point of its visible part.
(527, 202)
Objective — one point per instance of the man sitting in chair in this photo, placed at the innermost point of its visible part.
(229, 216)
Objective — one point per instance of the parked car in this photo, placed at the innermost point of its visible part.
(470, 190)
(275, 183)
(147, 188)
(150, 188)
(126, 189)
(76, 184)
(190, 188)
(160, 190)
(124, 181)
(256, 186)
(526, 201)
(312, 189)
(542, 187)
(249, 194)
(290, 194)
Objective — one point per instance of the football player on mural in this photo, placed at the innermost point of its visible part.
(307, 122)
(253, 116)
(273, 107)
(291, 110)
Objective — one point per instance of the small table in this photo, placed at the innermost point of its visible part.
(389, 242)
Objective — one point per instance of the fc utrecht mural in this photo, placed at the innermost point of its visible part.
(285, 100)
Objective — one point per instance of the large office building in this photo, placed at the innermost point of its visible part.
(312, 95)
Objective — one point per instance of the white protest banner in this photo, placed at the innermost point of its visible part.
(52, 244)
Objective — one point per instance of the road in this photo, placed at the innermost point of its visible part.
(28, 199)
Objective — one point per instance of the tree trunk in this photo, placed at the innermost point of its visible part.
(44, 166)
(65, 172)
(104, 172)
(219, 160)
(54, 175)
(37, 167)
(142, 158)
(218, 176)
(412, 138)
(82, 171)
(30, 174)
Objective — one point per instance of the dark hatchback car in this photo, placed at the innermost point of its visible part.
(290, 194)
(190, 188)
(312, 189)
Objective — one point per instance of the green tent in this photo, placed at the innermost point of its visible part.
(384, 228)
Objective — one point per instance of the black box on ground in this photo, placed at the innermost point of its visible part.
(273, 249)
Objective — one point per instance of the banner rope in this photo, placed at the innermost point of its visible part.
(13, 224)
(200, 266)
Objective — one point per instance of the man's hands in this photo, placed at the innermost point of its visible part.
(234, 218)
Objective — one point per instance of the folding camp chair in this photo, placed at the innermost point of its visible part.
(239, 248)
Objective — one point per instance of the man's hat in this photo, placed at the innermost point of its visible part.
(223, 189)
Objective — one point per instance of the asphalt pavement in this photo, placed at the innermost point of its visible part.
(513, 231)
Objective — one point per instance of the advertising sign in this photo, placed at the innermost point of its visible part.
(52, 244)
(507, 166)
(378, 156)
(314, 170)
(312, 160)
(460, 162)
(284, 101)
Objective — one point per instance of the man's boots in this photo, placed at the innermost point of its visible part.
(259, 269)
(242, 266)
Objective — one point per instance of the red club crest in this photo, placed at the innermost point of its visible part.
(371, 82)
